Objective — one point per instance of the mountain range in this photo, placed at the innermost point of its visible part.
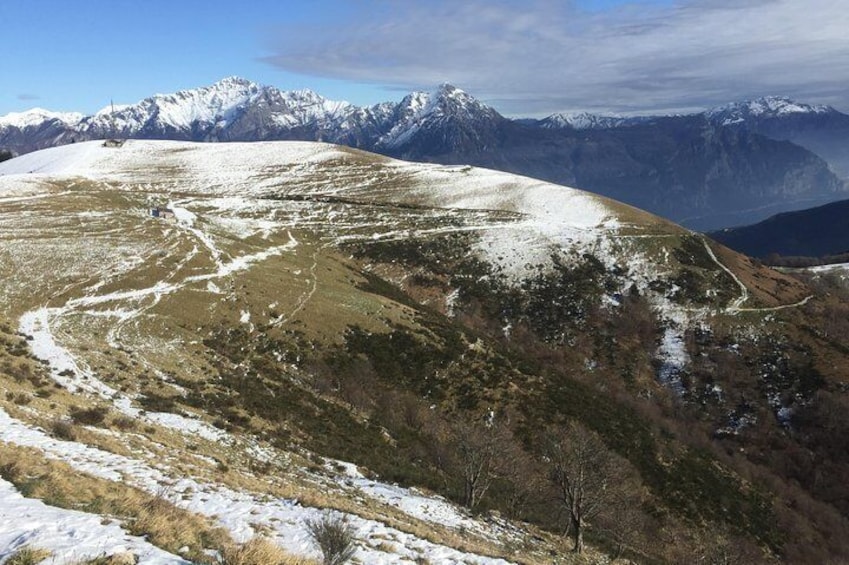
(728, 166)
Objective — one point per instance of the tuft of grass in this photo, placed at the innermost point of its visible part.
(93, 416)
(335, 538)
(172, 528)
(124, 423)
(261, 551)
(28, 555)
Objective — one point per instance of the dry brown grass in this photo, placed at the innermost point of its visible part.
(125, 558)
(767, 287)
(261, 551)
(156, 517)
(28, 555)
(164, 524)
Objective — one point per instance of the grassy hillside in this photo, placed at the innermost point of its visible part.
(310, 304)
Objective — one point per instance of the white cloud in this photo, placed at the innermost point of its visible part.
(544, 56)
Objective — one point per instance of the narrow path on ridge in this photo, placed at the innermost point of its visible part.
(744, 292)
(736, 305)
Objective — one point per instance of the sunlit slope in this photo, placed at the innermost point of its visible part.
(83, 210)
(262, 236)
(292, 295)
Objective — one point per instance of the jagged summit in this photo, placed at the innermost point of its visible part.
(587, 120)
(764, 107)
(445, 99)
(449, 95)
(440, 120)
(234, 81)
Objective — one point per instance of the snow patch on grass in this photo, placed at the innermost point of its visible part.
(69, 535)
(240, 512)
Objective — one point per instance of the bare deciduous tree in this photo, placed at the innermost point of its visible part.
(525, 479)
(478, 449)
(623, 523)
(587, 476)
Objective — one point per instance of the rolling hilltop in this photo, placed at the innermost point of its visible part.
(312, 330)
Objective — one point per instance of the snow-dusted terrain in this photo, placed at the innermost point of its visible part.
(238, 210)
(69, 535)
(242, 513)
(210, 190)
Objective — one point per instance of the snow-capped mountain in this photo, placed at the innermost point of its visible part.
(443, 121)
(764, 108)
(37, 117)
(586, 120)
(636, 159)
(236, 109)
(22, 132)
(818, 128)
(229, 108)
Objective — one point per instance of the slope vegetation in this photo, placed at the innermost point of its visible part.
(306, 327)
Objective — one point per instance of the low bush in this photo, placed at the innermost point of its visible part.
(335, 538)
(89, 416)
(62, 428)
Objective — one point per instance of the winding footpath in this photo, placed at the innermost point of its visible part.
(736, 305)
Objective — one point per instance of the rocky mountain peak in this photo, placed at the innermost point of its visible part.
(37, 117)
(233, 82)
(765, 107)
(587, 120)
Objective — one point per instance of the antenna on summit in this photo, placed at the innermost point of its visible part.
(114, 141)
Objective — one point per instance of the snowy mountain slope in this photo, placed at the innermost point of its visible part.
(586, 120)
(233, 224)
(217, 212)
(818, 128)
(768, 107)
(309, 303)
(445, 120)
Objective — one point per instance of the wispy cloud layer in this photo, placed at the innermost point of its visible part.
(28, 97)
(545, 56)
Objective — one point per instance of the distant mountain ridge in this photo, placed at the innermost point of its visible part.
(728, 166)
(816, 232)
(587, 120)
(765, 108)
(820, 129)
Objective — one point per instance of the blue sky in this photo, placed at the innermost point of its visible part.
(531, 57)
(70, 55)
